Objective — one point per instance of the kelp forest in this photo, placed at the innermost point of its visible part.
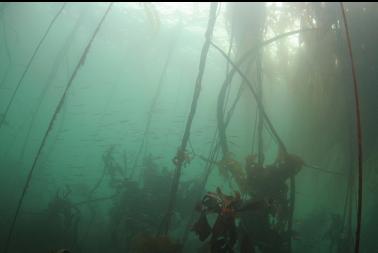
(209, 127)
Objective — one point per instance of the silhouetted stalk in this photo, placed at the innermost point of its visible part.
(348, 204)
(221, 106)
(50, 126)
(228, 68)
(236, 66)
(258, 101)
(268, 122)
(291, 214)
(260, 119)
(180, 155)
(4, 115)
(210, 162)
(142, 145)
(50, 78)
(358, 133)
(233, 105)
(220, 116)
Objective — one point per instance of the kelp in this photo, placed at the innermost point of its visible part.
(358, 135)
(49, 128)
(139, 206)
(64, 215)
(29, 64)
(179, 160)
(311, 100)
(54, 70)
(161, 80)
(320, 75)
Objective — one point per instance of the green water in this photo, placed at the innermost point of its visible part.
(95, 100)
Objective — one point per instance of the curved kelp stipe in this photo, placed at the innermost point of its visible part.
(36, 50)
(50, 126)
(180, 157)
(358, 133)
(142, 146)
(54, 70)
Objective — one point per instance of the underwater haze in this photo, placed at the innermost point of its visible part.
(188, 127)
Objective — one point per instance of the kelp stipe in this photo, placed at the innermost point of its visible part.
(180, 157)
(358, 133)
(161, 79)
(36, 50)
(55, 66)
(45, 137)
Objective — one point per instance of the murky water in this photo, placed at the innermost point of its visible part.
(187, 127)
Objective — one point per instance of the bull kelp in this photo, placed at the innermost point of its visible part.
(188, 127)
